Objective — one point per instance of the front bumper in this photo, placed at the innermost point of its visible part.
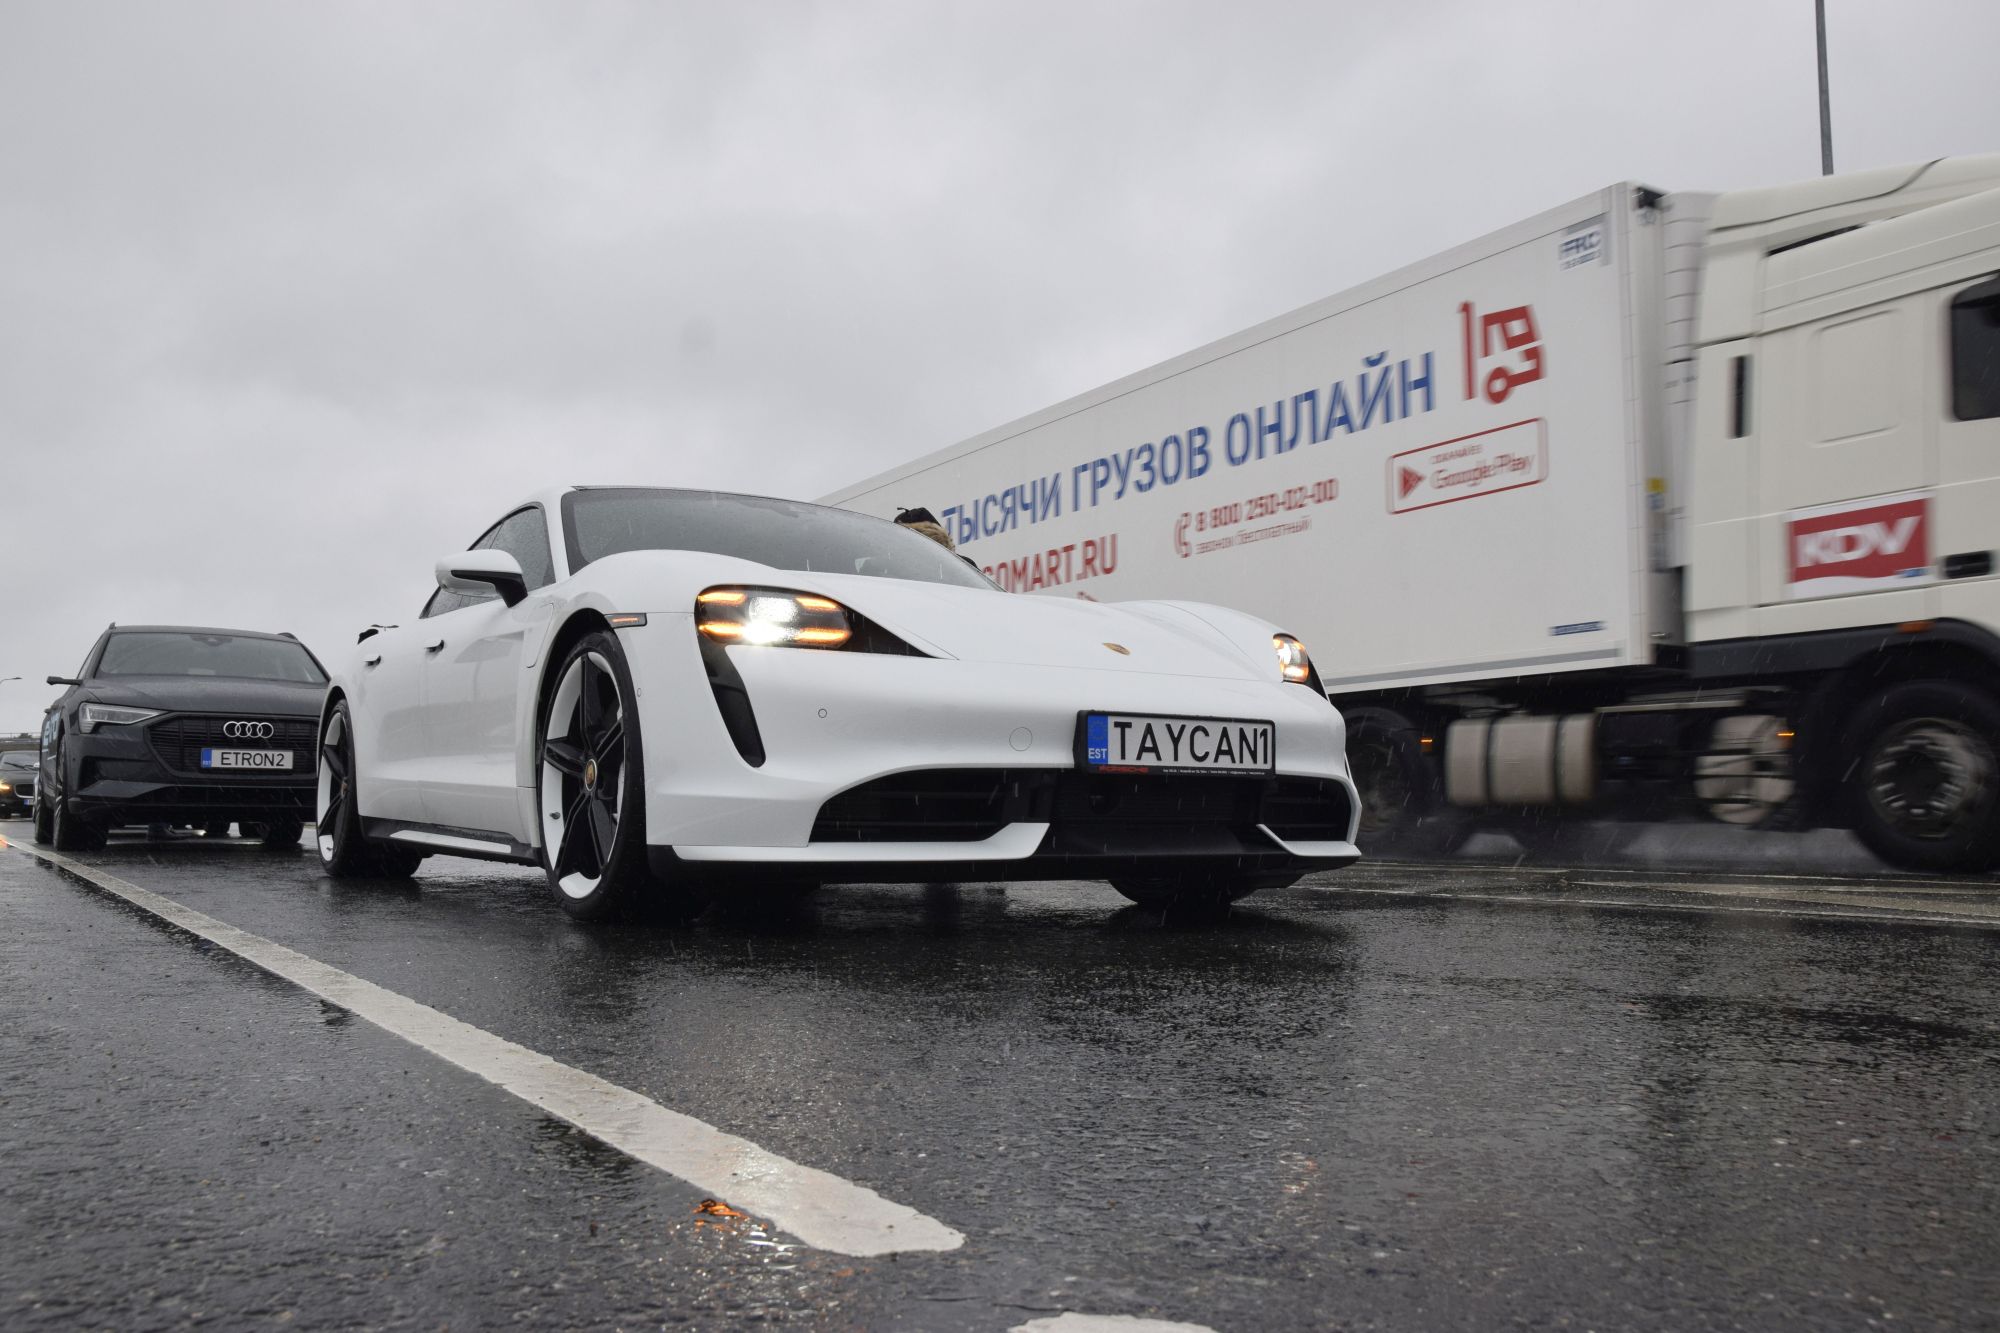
(144, 774)
(833, 722)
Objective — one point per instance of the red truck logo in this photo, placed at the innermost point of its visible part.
(1858, 547)
(1496, 335)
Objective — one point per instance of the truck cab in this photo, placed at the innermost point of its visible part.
(1843, 491)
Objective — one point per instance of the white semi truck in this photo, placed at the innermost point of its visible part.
(1653, 503)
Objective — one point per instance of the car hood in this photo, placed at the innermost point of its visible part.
(1019, 629)
(207, 694)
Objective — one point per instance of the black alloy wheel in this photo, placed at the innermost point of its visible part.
(1924, 788)
(591, 791)
(343, 851)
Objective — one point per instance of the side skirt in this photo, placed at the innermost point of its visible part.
(479, 844)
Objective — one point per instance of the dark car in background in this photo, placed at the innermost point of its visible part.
(17, 782)
(170, 724)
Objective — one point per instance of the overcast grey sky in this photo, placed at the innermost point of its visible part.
(296, 298)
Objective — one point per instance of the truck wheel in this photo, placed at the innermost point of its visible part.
(1402, 799)
(1924, 786)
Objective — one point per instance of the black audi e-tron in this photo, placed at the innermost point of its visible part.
(169, 724)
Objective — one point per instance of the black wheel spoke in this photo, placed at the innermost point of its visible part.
(603, 831)
(590, 703)
(334, 802)
(609, 745)
(574, 838)
(565, 755)
(336, 762)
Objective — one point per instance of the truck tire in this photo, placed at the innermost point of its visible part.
(1403, 812)
(1923, 780)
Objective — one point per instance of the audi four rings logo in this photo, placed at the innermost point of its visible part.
(248, 731)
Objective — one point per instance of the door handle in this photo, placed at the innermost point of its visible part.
(373, 661)
(434, 647)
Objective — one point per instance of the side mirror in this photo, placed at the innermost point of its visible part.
(64, 680)
(482, 571)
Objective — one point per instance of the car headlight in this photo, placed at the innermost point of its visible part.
(94, 716)
(1293, 663)
(6, 786)
(773, 618)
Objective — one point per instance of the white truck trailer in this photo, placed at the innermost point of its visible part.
(1652, 503)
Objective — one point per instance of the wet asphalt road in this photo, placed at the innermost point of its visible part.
(1471, 1096)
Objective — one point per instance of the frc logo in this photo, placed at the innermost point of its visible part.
(1862, 547)
(1583, 244)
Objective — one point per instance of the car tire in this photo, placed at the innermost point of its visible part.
(69, 832)
(590, 782)
(44, 823)
(281, 833)
(1192, 894)
(1924, 787)
(344, 851)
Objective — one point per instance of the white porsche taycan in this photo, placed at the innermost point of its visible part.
(662, 695)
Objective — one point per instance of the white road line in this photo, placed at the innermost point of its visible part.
(1071, 1322)
(822, 1210)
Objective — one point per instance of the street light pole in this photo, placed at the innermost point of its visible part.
(1825, 103)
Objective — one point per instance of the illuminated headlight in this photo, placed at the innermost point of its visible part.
(94, 716)
(6, 786)
(1293, 664)
(772, 618)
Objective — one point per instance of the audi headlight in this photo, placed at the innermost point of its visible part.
(1293, 663)
(94, 716)
(773, 618)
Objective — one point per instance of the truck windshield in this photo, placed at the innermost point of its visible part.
(783, 534)
(181, 653)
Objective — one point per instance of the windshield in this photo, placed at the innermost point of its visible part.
(781, 533)
(179, 653)
(18, 759)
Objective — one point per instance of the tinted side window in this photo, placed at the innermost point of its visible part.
(1975, 352)
(524, 535)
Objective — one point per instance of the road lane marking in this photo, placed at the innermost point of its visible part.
(1886, 879)
(821, 1209)
(1071, 1322)
(1982, 907)
(1639, 905)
